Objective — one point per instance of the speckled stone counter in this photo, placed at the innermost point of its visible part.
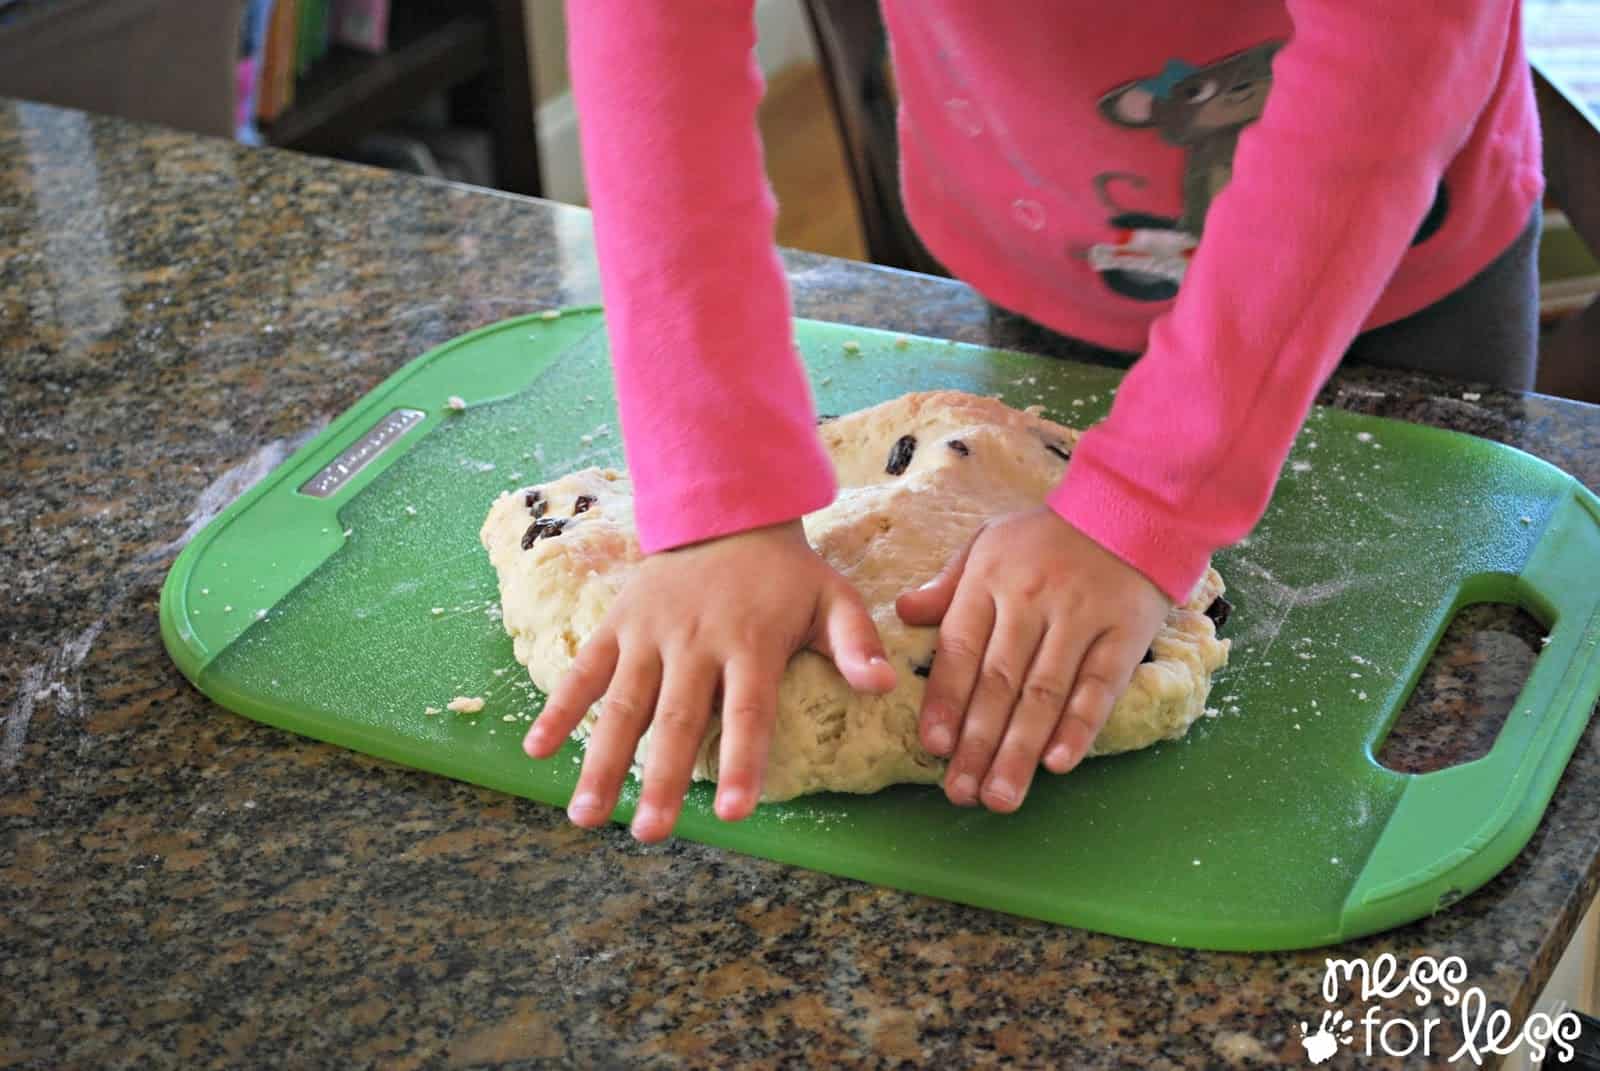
(183, 887)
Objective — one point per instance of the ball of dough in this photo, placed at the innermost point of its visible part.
(918, 475)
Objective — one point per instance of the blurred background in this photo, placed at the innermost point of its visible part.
(474, 91)
(477, 91)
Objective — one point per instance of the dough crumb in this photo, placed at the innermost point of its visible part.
(1239, 1048)
(436, 611)
(411, 511)
(1470, 396)
(456, 402)
(852, 346)
(463, 704)
(430, 710)
(550, 314)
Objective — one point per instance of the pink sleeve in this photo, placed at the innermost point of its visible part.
(716, 412)
(1370, 101)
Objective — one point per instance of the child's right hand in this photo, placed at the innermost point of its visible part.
(728, 614)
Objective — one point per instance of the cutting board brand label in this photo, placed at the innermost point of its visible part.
(363, 452)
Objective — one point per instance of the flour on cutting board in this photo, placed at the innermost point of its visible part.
(1334, 566)
(1332, 654)
(1280, 598)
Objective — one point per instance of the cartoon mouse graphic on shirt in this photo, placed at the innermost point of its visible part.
(1201, 110)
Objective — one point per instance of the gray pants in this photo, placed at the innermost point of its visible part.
(1485, 332)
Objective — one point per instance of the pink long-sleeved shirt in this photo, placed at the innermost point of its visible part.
(1237, 190)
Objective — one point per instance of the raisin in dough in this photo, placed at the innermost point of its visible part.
(917, 477)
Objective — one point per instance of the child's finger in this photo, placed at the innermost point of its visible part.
(849, 637)
(1101, 678)
(1039, 707)
(749, 709)
(963, 636)
(582, 686)
(1012, 643)
(623, 716)
(681, 716)
(928, 604)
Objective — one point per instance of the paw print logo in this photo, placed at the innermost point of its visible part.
(1334, 1031)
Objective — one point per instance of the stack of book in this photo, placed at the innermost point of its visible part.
(284, 39)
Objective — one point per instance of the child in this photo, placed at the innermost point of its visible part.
(1237, 190)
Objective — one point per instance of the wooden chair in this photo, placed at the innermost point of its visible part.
(1569, 363)
(853, 47)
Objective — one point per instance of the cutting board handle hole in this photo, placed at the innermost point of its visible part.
(1464, 693)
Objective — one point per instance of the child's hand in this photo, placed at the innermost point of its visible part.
(1041, 630)
(724, 614)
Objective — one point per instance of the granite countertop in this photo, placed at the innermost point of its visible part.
(186, 887)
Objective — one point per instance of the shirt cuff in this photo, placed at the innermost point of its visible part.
(693, 512)
(1119, 518)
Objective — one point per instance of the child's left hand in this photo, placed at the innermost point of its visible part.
(1040, 631)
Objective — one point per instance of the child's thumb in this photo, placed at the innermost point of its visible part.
(927, 605)
(848, 636)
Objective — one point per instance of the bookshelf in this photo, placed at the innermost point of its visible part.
(475, 50)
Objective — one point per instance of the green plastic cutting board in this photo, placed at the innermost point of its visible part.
(1269, 826)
